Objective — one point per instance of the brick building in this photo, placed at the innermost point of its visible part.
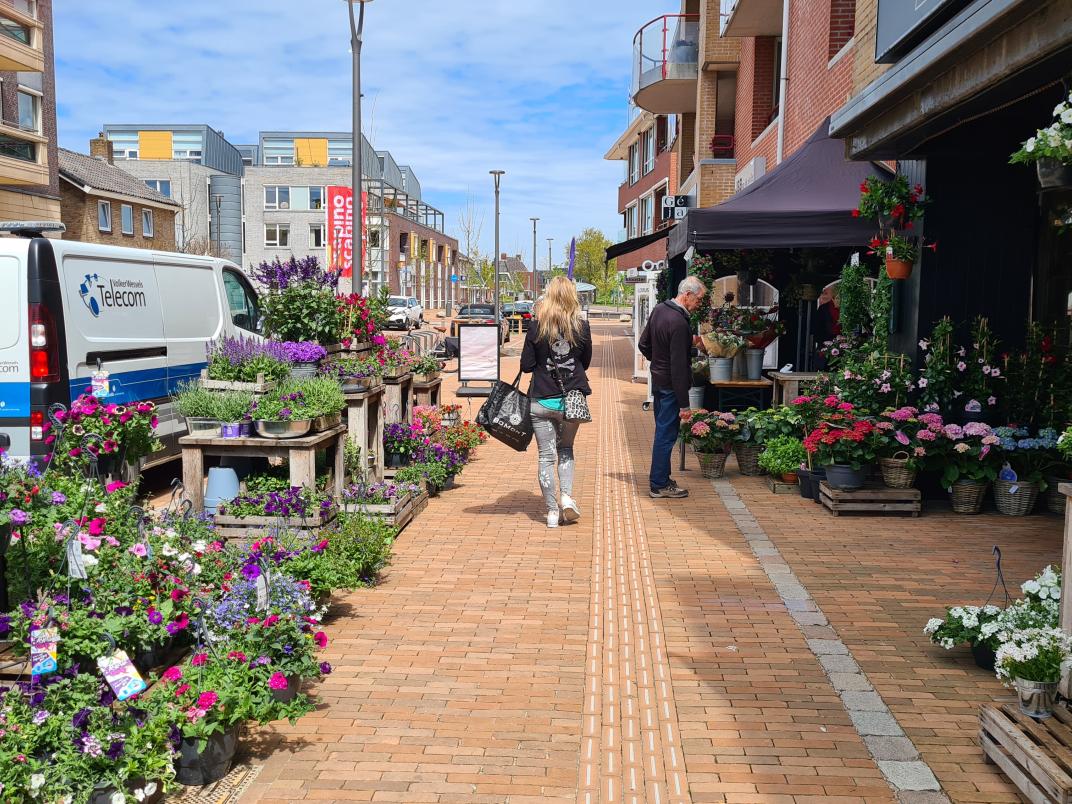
(102, 204)
(29, 178)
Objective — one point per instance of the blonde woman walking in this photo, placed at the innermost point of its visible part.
(558, 352)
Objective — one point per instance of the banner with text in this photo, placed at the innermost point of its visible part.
(340, 226)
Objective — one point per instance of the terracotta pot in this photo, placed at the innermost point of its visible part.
(789, 477)
(898, 269)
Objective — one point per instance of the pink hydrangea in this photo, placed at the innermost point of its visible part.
(700, 429)
(976, 429)
(953, 432)
(926, 435)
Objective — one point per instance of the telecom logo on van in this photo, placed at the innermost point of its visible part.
(99, 293)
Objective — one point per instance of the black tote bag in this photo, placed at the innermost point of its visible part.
(505, 415)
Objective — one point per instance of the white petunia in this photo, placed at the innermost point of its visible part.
(933, 624)
(90, 560)
(37, 781)
(1031, 587)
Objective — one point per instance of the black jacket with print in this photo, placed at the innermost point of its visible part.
(572, 361)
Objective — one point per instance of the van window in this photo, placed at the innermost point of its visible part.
(242, 301)
(11, 323)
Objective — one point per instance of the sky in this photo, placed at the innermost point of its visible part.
(453, 88)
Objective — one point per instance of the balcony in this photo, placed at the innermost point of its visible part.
(23, 156)
(20, 38)
(744, 18)
(666, 55)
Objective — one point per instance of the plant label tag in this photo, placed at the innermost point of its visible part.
(99, 385)
(262, 592)
(76, 566)
(121, 675)
(1013, 489)
(44, 650)
(855, 259)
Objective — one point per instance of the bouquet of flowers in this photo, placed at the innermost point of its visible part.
(720, 343)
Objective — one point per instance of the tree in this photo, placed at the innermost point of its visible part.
(592, 266)
(470, 225)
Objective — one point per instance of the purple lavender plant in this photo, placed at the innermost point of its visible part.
(279, 275)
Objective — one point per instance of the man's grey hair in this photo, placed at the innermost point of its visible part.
(690, 284)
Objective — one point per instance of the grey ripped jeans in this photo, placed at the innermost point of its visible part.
(554, 437)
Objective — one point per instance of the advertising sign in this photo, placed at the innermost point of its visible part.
(340, 226)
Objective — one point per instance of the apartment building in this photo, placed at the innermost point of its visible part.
(29, 176)
(646, 150)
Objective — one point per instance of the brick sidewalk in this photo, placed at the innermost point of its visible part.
(710, 649)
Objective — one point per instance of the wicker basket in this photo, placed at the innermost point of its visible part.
(1020, 503)
(748, 458)
(896, 473)
(1055, 500)
(967, 496)
(712, 464)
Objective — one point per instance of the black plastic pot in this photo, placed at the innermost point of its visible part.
(984, 656)
(294, 683)
(804, 476)
(845, 477)
(395, 460)
(152, 656)
(193, 767)
(818, 475)
(1053, 173)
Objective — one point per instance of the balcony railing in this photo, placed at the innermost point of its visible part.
(666, 54)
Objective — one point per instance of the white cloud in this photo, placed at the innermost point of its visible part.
(454, 89)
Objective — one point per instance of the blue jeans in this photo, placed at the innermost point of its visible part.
(667, 420)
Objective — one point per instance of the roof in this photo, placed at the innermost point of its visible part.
(805, 201)
(513, 264)
(96, 174)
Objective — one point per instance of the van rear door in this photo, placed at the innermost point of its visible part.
(14, 351)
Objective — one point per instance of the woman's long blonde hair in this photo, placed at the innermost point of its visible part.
(558, 314)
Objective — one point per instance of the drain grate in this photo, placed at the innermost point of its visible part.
(228, 789)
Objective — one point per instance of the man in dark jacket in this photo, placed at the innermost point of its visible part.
(667, 344)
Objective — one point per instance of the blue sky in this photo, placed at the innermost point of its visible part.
(454, 88)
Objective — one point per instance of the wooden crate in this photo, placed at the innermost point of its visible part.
(778, 486)
(400, 514)
(1035, 755)
(243, 531)
(874, 498)
(261, 386)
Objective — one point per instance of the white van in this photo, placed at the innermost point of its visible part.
(145, 317)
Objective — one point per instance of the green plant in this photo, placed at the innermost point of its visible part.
(425, 364)
(892, 202)
(783, 455)
(353, 460)
(976, 364)
(1051, 142)
(433, 473)
(709, 431)
(962, 625)
(232, 406)
(1034, 654)
(363, 544)
(854, 298)
(301, 399)
(303, 312)
(936, 378)
(267, 482)
(194, 402)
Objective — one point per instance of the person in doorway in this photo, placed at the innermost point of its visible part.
(667, 343)
(827, 321)
(557, 352)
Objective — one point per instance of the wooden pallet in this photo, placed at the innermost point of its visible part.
(399, 514)
(1035, 755)
(778, 486)
(874, 498)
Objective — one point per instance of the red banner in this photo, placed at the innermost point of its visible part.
(341, 229)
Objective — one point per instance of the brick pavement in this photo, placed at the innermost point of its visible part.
(647, 653)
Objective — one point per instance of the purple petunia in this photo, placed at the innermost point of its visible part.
(325, 668)
(58, 498)
(251, 572)
(81, 718)
(155, 617)
(115, 750)
(18, 516)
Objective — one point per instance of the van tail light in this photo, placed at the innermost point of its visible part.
(44, 346)
(526, 315)
(37, 425)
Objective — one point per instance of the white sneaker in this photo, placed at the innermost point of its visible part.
(552, 519)
(570, 510)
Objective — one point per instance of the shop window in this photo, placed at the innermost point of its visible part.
(842, 25)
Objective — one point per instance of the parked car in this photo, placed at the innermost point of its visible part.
(404, 312)
(521, 308)
(479, 314)
(144, 317)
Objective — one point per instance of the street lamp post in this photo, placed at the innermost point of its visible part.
(533, 288)
(357, 30)
(550, 260)
(497, 174)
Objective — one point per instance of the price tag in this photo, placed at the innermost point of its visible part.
(262, 592)
(855, 259)
(44, 650)
(99, 385)
(121, 675)
(76, 566)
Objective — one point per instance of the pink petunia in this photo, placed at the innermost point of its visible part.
(278, 681)
(173, 673)
(321, 639)
(199, 660)
(206, 700)
(139, 550)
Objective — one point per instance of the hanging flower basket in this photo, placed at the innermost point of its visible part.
(898, 269)
(193, 767)
(712, 464)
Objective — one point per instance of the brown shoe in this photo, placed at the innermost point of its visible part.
(670, 492)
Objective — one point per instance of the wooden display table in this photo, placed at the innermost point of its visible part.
(299, 452)
(740, 394)
(787, 385)
(364, 425)
(427, 393)
(397, 402)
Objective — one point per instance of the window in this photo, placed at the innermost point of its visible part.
(18, 149)
(657, 204)
(126, 212)
(374, 238)
(648, 141)
(276, 235)
(147, 223)
(316, 235)
(16, 31)
(276, 197)
(634, 163)
(278, 152)
(340, 153)
(671, 130)
(631, 222)
(162, 186)
(776, 89)
(242, 302)
(187, 145)
(28, 106)
(104, 216)
(316, 198)
(124, 144)
(647, 214)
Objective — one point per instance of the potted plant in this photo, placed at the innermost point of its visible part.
(722, 347)
(425, 368)
(968, 459)
(300, 302)
(783, 457)
(433, 474)
(304, 358)
(711, 434)
(1032, 662)
(125, 433)
(232, 409)
(971, 625)
(901, 449)
(284, 413)
(895, 206)
(1029, 458)
(1049, 149)
(400, 442)
(198, 407)
(843, 444)
(324, 402)
(236, 361)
